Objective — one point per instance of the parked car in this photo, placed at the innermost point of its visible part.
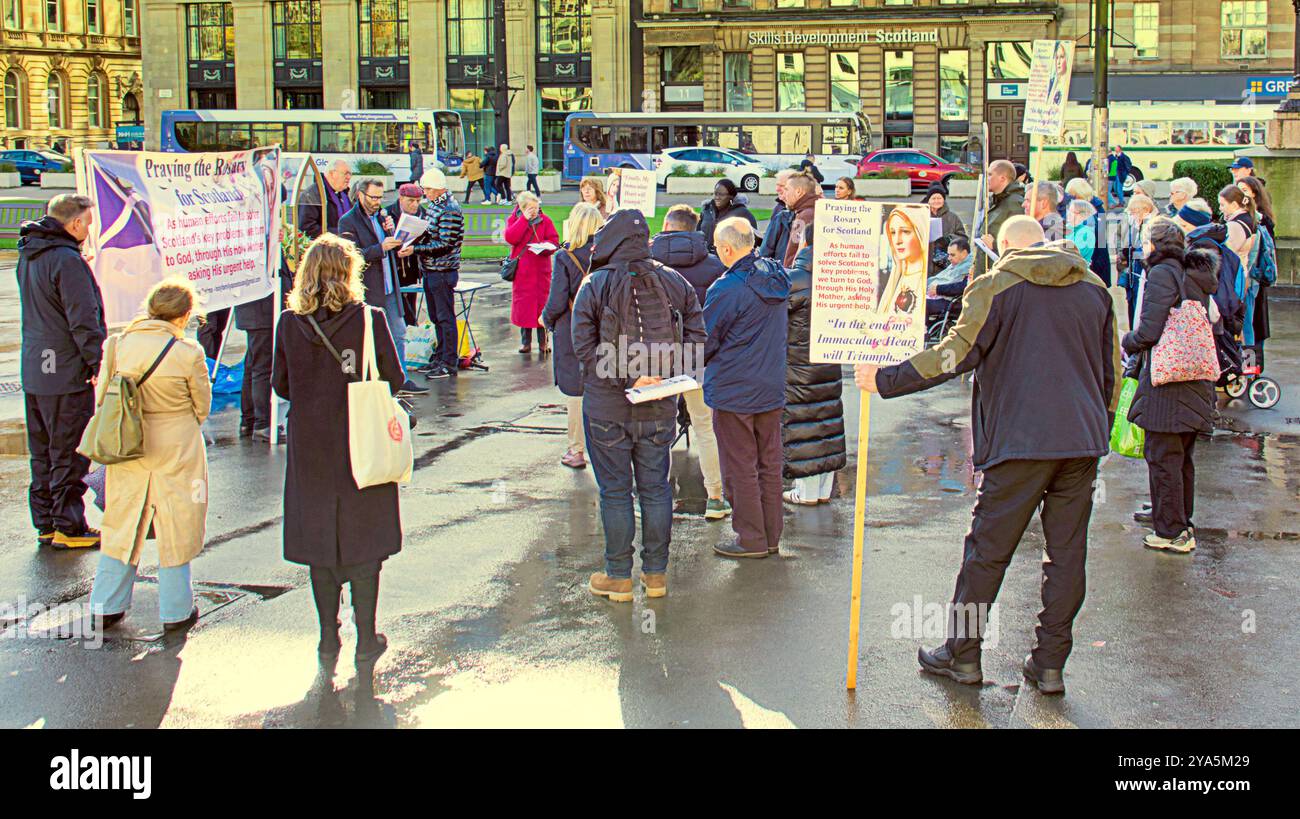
(922, 167)
(31, 164)
(737, 167)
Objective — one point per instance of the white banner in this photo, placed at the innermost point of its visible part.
(210, 218)
(1049, 87)
(868, 282)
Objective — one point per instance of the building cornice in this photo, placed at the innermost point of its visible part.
(901, 15)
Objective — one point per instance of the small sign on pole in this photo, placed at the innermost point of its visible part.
(1049, 91)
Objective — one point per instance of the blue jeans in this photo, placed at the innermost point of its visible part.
(621, 452)
(489, 189)
(115, 580)
(1117, 190)
(394, 312)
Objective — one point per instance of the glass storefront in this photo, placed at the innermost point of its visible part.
(477, 118)
(557, 103)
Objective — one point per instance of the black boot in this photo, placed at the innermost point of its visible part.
(326, 592)
(365, 600)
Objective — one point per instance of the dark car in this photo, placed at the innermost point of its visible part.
(922, 167)
(31, 164)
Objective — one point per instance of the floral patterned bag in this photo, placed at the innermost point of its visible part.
(1185, 351)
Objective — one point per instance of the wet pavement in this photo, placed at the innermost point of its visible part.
(490, 622)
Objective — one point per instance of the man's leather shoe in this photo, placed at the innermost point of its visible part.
(183, 625)
(735, 550)
(939, 662)
(1046, 680)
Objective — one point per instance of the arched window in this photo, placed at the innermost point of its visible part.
(97, 100)
(131, 109)
(15, 99)
(56, 92)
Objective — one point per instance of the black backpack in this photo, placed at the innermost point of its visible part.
(638, 305)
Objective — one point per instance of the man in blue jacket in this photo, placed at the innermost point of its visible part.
(63, 334)
(744, 383)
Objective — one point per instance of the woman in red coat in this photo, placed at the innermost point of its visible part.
(532, 284)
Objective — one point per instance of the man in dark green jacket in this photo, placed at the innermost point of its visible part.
(1006, 199)
(1039, 331)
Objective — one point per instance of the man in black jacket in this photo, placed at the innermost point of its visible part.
(63, 334)
(1039, 331)
(778, 225)
(629, 306)
(337, 180)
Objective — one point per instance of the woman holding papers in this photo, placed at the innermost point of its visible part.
(533, 239)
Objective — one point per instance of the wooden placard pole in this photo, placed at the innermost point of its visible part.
(859, 535)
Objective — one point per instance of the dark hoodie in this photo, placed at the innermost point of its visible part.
(63, 327)
(687, 252)
(710, 217)
(1039, 331)
(1172, 275)
(605, 309)
(745, 316)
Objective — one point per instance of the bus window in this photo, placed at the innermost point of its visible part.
(796, 139)
(450, 137)
(1191, 133)
(758, 139)
(686, 136)
(197, 136)
(1232, 133)
(722, 136)
(594, 137)
(293, 137)
(335, 138)
(1147, 133)
(658, 138)
(379, 137)
(630, 139)
(234, 136)
(835, 140)
(267, 133)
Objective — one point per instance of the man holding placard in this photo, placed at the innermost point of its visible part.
(1040, 333)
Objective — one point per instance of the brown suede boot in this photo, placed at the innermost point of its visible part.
(619, 591)
(655, 585)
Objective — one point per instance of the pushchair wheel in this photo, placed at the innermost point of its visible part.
(1236, 388)
(1264, 392)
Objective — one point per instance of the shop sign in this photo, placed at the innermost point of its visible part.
(879, 36)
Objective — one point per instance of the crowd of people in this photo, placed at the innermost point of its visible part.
(706, 296)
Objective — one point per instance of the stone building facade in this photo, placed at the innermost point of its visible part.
(71, 72)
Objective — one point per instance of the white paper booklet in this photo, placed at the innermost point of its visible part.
(667, 388)
(541, 247)
(410, 228)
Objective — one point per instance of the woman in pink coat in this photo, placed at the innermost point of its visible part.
(532, 284)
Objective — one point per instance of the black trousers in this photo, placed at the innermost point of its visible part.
(1008, 496)
(211, 331)
(54, 427)
(532, 184)
(502, 184)
(483, 185)
(1173, 480)
(442, 311)
(255, 395)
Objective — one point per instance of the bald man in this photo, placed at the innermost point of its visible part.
(1039, 331)
(1006, 199)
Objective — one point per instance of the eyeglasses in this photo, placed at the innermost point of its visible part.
(372, 197)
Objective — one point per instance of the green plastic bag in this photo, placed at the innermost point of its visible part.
(1126, 438)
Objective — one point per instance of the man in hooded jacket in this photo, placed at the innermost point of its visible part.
(1039, 331)
(630, 306)
(63, 334)
(744, 383)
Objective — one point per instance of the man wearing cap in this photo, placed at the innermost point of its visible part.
(438, 251)
(1242, 167)
(410, 201)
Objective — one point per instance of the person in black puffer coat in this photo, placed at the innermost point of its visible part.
(1172, 414)
(727, 202)
(812, 427)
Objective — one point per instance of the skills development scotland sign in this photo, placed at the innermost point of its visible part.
(210, 218)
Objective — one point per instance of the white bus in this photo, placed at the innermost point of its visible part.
(594, 142)
(355, 136)
(1156, 135)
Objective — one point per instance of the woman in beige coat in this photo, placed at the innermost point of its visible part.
(167, 488)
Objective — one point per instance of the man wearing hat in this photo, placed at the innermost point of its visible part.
(410, 198)
(438, 251)
(1241, 168)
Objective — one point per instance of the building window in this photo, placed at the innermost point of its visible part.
(383, 28)
(844, 81)
(682, 78)
(1146, 30)
(295, 30)
(1244, 26)
(842, 3)
(97, 100)
(954, 86)
(557, 104)
(684, 5)
(13, 14)
(469, 28)
(15, 99)
(1009, 61)
(211, 31)
(738, 80)
(898, 2)
(385, 98)
(92, 16)
(737, 4)
(898, 86)
(477, 118)
(563, 26)
(953, 2)
(790, 4)
(790, 94)
(54, 15)
(56, 94)
(128, 18)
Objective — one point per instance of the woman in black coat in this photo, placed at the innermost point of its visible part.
(569, 267)
(341, 532)
(1172, 414)
(723, 205)
(812, 425)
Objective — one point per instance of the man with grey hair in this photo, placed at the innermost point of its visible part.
(1041, 204)
(744, 384)
(313, 219)
(63, 334)
(778, 225)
